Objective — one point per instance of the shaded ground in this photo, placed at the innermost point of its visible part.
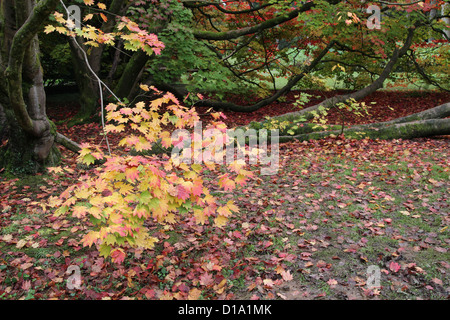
(311, 231)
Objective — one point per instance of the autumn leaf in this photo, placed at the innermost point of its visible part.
(226, 183)
(101, 5)
(199, 216)
(118, 255)
(182, 192)
(286, 275)
(88, 17)
(224, 211)
(90, 238)
(21, 243)
(194, 294)
(132, 173)
(48, 29)
(394, 266)
(332, 282)
(55, 169)
(220, 221)
(206, 279)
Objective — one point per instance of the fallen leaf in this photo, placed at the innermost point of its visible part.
(286, 275)
(21, 243)
(394, 266)
(332, 282)
(194, 294)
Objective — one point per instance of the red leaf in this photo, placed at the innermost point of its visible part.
(206, 279)
(394, 266)
(182, 193)
(117, 255)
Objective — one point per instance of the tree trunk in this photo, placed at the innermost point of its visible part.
(131, 75)
(88, 87)
(405, 130)
(427, 123)
(31, 135)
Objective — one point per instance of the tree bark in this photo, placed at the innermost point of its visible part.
(427, 123)
(360, 94)
(130, 77)
(30, 134)
(404, 130)
(88, 86)
(233, 34)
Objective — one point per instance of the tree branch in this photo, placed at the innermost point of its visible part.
(67, 143)
(360, 94)
(232, 34)
(292, 81)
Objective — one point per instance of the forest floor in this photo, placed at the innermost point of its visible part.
(341, 219)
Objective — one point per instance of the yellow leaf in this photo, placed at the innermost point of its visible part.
(88, 17)
(21, 243)
(49, 29)
(95, 212)
(143, 240)
(82, 193)
(103, 17)
(101, 6)
(224, 211)
(232, 206)
(90, 238)
(170, 218)
(199, 215)
(220, 221)
(61, 30)
(88, 2)
(79, 211)
(55, 169)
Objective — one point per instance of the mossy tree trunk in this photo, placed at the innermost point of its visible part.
(30, 134)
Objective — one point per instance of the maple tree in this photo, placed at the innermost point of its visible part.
(129, 192)
(247, 47)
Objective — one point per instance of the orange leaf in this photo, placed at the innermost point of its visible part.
(224, 211)
(194, 294)
(132, 173)
(90, 238)
(118, 255)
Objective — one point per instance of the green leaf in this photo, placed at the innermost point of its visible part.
(105, 250)
(88, 159)
(173, 119)
(110, 239)
(145, 197)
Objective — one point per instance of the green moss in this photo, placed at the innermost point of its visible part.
(53, 128)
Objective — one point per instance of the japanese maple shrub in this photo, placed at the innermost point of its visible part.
(128, 192)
